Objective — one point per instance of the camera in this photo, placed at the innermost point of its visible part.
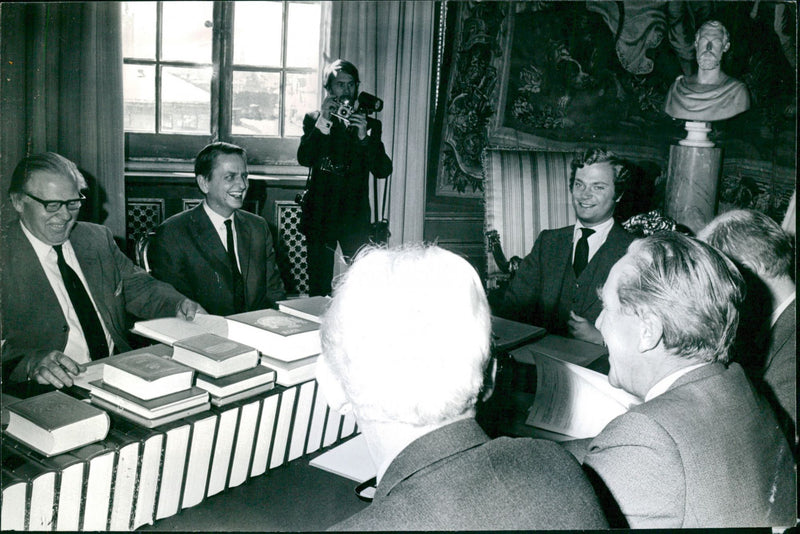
(367, 104)
(343, 111)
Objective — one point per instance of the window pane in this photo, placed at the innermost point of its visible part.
(302, 45)
(257, 34)
(186, 31)
(256, 103)
(185, 100)
(302, 96)
(139, 30)
(139, 93)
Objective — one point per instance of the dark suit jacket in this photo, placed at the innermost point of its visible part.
(544, 288)
(780, 370)
(186, 252)
(455, 478)
(32, 319)
(706, 453)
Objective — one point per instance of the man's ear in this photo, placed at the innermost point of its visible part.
(202, 183)
(651, 331)
(16, 201)
(331, 388)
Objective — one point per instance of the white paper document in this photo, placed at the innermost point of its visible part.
(351, 460)
(171, 329)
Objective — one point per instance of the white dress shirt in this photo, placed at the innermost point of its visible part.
(780, 309)
(595, 240)
(76, 347)
(663, 385)
(218, 222)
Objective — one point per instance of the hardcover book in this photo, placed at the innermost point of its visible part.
(311, 308)
(214, 355)
(507, 334)
(144, 421)
(150, 409)
(228, 385)
(292, 373)
(54, 422)
(145, 375)
(566, 349)
(242, 395)
(276, 334)
(171, 329)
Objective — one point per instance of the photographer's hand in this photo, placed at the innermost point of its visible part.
(359, 121)
(329, 105)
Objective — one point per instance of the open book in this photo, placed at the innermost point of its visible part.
(574, 401)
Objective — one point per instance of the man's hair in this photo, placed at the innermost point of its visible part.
(47, 161)
(694, 290)
(599, 155)
(714, 25)
(206, 158)
(407, 335)
(333, 70)
(753, 240)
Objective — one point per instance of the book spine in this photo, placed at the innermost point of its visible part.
(317, 426)
(283, 427)
(12, 505)
(223, 447)
(332, 425)
(175, 453)
(198, 465)
(98, 475)
(266, 433)
(245, 435)
(305, 400)
(40, 496)
(149, 471)
(126, 471)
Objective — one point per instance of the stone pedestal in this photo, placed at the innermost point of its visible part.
(692, 179)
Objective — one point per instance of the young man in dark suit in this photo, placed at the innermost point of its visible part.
(218, 253)
(66, 286)
(405, 347)
(556, 284)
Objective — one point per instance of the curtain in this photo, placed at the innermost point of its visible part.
(62, 92)
(391, 43)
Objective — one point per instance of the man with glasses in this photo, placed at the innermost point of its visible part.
(217, 253)
(66, 286)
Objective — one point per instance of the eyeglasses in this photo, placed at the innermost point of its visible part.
(52, 206)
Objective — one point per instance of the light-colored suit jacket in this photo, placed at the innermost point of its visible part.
(455, 478)
(544, 288)
(706, 453)
(186, 252)
(32, 320)
(780, 369)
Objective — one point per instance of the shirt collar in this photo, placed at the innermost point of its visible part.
(41, 248)
(781, 308)
(663, 385)
(600, 231)
(216, 219)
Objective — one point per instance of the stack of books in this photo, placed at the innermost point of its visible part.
(288, 344)
(147, 388)
(226, 369)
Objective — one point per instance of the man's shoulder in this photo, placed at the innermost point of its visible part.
(87, 230)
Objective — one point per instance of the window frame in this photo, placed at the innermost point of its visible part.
(271, 153)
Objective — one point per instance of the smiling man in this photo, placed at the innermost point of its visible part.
(556, 284)
(66, 286)
(218, 253)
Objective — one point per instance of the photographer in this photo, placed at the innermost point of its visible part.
(341, 145)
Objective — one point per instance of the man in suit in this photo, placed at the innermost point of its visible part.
(66, 286)
(704, 448)
(556, 284)
(405, 347)
(217, 253)
(765, 254)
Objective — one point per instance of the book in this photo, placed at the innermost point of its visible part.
(201, 445)
(242, 395)
(311, 308)
(54, 422)
(241, 381)
(125, 478)
(223, 448)
(574, 401)
(276, 334)
(566, 349)
(351, 460)
(508, 334)
(94, 370)
(145, 375)
(150, 409)
(99, 459)
(41, 488)
(214, 356)
(317, 426)
(266, 427)
(176, 447)
(292, 373)
(12, 504)
(168, 330)
(302, 417)
(243, 448)
(282, 427)
(148, 422)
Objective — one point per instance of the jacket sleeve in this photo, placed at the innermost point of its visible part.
(312, 143)
(275, 289)
(378, 162)
(521, 298)
(166, 260)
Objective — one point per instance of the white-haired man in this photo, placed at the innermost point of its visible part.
(765, 253)
(703, 449)
(405, 346)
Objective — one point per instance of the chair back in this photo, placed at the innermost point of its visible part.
(142, 243)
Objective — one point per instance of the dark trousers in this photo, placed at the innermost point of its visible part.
(320, 256)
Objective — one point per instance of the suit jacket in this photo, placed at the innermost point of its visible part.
(186, 252)
(706, 453)
(32, 320)
(544, 288)
(455, 478)
(780, 370)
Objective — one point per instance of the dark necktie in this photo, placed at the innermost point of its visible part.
(238, 282)
(90, 323)
(582, 252)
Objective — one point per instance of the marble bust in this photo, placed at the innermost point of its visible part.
(709, 95)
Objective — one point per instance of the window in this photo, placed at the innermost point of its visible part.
(243, 72)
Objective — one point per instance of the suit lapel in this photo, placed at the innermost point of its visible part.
(208, 240)
(243, 239)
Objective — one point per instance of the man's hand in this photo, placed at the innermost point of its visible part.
(187, 309)
(54, 368)
(359, 121)
(582, 329)
(329, 105)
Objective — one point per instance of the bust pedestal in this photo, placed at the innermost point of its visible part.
(692, 179)
(697, 134)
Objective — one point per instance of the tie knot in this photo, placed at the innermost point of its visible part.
(59, 252)
(586, 232)
(228, 223)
